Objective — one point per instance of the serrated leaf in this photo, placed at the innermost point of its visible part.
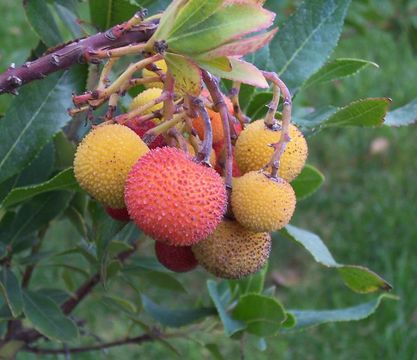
(220, 297)
(175, 318)
(242, 71)
(42, 21)
(310, 318)
(34, 116)
(106, 13)
(358, 278)
(306, 40)
(307, 182)
(34, 214)
(10, 287)
(405, 115)
(366, 112)
(262, 314)
(65, 180)
(337, 69)
(226, 24)
(46, 317)
(186, 74)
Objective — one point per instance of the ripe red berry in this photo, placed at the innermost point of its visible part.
(175, 258)
(118, 214)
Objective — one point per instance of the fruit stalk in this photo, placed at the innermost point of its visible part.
(280, 146)
(73, 53)
(234, 97)
(204, 153)
(214, 90)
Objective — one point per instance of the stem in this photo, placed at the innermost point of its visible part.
(270, 120)
(105, 73)
(213, 87)
(205, 150)
(169, 106)
(151, 134)
(115, 53)
(234, 97)
(145, 107)
(286, 120)
(174, 133)
(73, 53)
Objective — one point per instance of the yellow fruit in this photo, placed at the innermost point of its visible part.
(103, 160)
(161, 64)
(144, 97)
(232, 251)
(253, 151)
(260, 203)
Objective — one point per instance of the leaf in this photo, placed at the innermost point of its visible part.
(42, 22)
(167, 21)
(34, 117)
(338, 69)
(202, 33)
(106, 13)
(257, 108)
(219, 297)
(123, 304)
(358, 278)
(307, 182)
(186, 74)
(215, 351)
(33, 215)
(160, 280)
(306, 40)
(253, 283)
(312, 122)
(47, 318)
(68, 14)
(309, 318)
(366, 112)
(175, 318)
(262, 314)
(405, 115)
(240, 47)
(242, 71)
(65, 151)
(65, 180)
(10, 287)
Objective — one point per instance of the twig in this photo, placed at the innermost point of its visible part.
(205, 150)
(234, 97)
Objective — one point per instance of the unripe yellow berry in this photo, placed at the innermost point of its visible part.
(232, 251)
(253, 150)
(261, 203)
(103, 160)
(145, 97)
(162, 65)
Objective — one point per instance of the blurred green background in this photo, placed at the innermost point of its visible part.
(366, 212)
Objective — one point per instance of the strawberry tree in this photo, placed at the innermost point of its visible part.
(172, 127)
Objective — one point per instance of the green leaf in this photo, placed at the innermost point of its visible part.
(215, 351)
(242, 71)
(338, 69)
(68, 14)
(309, 318)
(65, 151)
(33, 215)
(257, 107)
(106, 13)
(5, 313)
(306, 40)
(187, 75)
(10, 287)
(206, 31)
(42, 21)
(220, 295)
(366, 112)
(123, 304)
(160, 280)
(47, 318)
(253, 283)
(405, 115)
(34, 116)
(65, 180)
(262, 314)
(175, 318)
(167, 21)
(307, 182)
(358, 278)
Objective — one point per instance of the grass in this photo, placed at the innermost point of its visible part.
(365, 213)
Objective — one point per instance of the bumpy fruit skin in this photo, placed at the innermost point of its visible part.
(118, 214)
(161, 64)
(216, 125)
(175, 258)
(232, 251)
(144, 97)
(260, 203)
(142, 128)
(253, 151)
(173, 199)
(103, 160)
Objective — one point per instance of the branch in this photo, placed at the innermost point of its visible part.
(76, 52)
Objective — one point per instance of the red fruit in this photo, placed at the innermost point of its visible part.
(118, 214)
(175, 258)
(173, 199)
(142, 128)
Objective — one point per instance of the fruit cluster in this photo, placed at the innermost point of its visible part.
(181, 200)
